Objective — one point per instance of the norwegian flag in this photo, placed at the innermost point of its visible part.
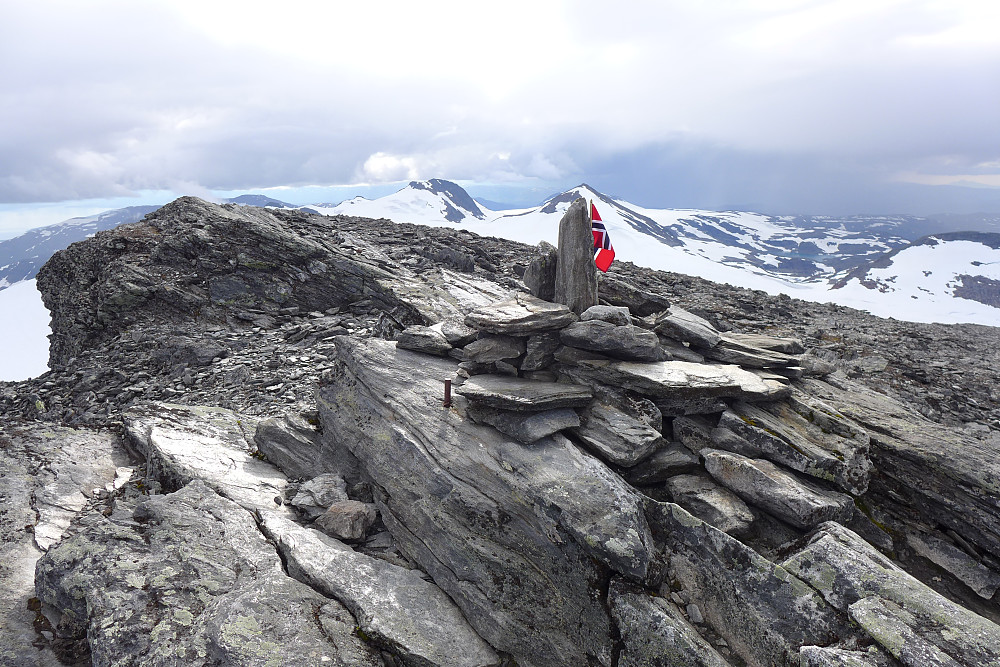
(604, 254)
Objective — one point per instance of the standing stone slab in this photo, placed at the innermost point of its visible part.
(521, 538)
(522, 315)
(576, 274)
(540, 276)
(655, 633)
(777, 491)
(394, 606)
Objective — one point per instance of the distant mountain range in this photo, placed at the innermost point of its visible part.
(888, 265)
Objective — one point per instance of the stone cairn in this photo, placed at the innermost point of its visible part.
(710, 419)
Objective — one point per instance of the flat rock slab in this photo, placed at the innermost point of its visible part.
(676, 379)
(526, 427)
(48, 475)
(772, 343)
(913, 622)
(183, 443)
(509, 393)
(187, 579)
(424, 339)
(776, 490)
(522, 315)
(733, 351)
(626, 341)
(394, 606)
(681, 325)
(655, 632)
(819, 656)
(491, 348)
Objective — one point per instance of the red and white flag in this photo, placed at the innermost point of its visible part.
(604, 254)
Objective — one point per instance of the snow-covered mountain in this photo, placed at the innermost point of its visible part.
(956, 271)
(22, 256)
(432, 202)
(803, 256)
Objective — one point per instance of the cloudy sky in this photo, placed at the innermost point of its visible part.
(811, 106)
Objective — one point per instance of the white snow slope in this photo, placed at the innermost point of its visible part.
(24, 327)
(737, 248)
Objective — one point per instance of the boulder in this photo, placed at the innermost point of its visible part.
(522, 315)
(617, 315)
(347, 520)
(491, 348)
(182, 443)
(654, 633)
(808, 437)
(423, 339)
(540, 276)
(521, 538)
(507, 393)
(711, 503)
(615, 436)
(290, 443)
(316, 495)
(914, 623)
(526, 427)
(540, 351)
(777, 491)
(687, 327)
(576, 275)
(136, 588)
(620, 341)
(456, 332)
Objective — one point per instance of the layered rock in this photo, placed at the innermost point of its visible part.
(521, 538)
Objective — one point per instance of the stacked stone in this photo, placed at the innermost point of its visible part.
(679, 409)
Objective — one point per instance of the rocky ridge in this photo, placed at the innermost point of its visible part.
(640, 465)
